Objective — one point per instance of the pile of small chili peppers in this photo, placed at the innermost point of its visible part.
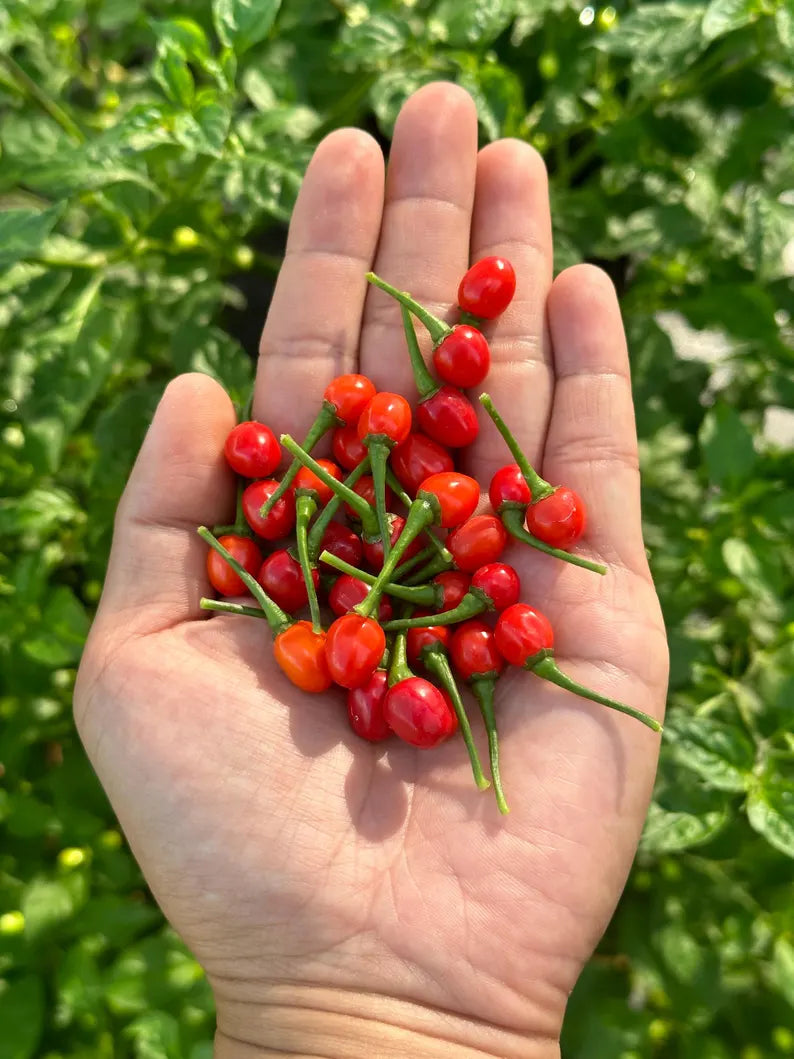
(424, 589)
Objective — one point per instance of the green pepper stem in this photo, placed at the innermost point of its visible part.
(513, 521)
(472, 320)
(223, 607)
(325, 420)
(419, 595)
(548, 669)
(398, 666)
(421, 515)
(426, 385)
(241, 526)
(369, 521)
(435, 660)
(472, 604)
(410, 564)
(538, 487)
(277, 619)
(379, 448)
(483, 689)
(305, 507)
(437, 565)
(437, 328)
(323, 520)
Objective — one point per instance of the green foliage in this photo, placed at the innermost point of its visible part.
(150, 156)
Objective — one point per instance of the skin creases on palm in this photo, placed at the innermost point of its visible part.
(281, 847)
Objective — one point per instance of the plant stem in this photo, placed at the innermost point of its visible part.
(29, 87)
(306, 505)
(538, 487)
(437, 328)
(398, 667)
(435, 660)
(231, 608)
(421, 515)
(321, 523)
(368, 518)
(277, 619)
(472, 604)
(379, 447)
(483, 691)
(437, 546)
(513, 521)
(426, 385)
(324, 421)
(548, 669)
(419, 595)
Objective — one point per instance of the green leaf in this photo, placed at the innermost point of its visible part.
(79, 984)
(769, 229)
(469, 23)
(154, 1035)
(727, 446)
(717, 752)
(21, 1017)
(656, 29)
(240, 24)
(723, 16)
(782, 971)
(172, 73)
(40, 513)
(672, 831)
(65, 626)
(22, 232)
(744, 565)
(46, 904)
(770, 810)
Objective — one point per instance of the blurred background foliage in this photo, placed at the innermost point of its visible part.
(150, 156)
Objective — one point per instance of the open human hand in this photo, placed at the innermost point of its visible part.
(345, 897)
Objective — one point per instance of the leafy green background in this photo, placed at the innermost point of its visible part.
(151, 152)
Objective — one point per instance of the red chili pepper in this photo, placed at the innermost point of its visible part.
(307, 480)
(221, 576)
(347, 447)
(277, 523)
(354, 649)
(373, 548)
(560, 520)
(417, 458)
(524, 637)
(479, 540)
(493, 587)
(343, 400)
(475, 657)
(417, 640)
(300, 654)
(454, 585)
(463, 357)
(365, 488)
(384, 423)
(448, 416)
(487, 288)
(419, 713)
(508, 487)
(282, 578)
(347, 592)
(342, 542)
(252, 450)
(365, 708)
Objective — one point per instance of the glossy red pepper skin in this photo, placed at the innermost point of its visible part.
(387, 414)
(416, 459)
(457, 496)
(307, 480)
(473, 650)
(252, 450)
(354, 649)
(365, 708)
(347, 447)
(448, 417)
(281, 577)
(221, 576)
(487, 288)
(559, 519)
(508, 486)
(280, 521)
(365, 487)
(454, 585)
(349, 394)
(347, 592)
(479, 540)
(521, 633)
(463, 357)
(416, 640)
(300, 654)
(419, 713)
(499, 582)
(373, 549)
(342, 542)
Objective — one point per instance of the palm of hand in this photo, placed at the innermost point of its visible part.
(279, 845)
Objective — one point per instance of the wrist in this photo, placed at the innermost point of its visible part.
(345, 1024)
